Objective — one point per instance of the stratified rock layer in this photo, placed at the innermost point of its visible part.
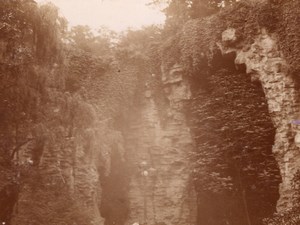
(161, 189)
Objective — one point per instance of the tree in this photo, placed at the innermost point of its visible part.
(31, 38)
(98, 43)
(133, 45)
(179, 11)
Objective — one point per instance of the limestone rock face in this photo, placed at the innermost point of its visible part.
(229, 36)
(265, 62)
(161, 190)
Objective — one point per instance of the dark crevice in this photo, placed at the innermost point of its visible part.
(114, 206)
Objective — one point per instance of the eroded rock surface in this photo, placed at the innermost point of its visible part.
(161, 189)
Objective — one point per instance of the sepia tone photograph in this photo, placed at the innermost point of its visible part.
(149, 112)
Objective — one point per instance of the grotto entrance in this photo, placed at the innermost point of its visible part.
(236, 175)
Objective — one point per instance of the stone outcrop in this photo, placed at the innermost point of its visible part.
(265, 63)
(59, 167)
(85, 143)
(161, 189)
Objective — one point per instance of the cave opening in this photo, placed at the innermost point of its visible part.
(236, 175)
(114, 205)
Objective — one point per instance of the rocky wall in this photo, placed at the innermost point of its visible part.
(161, 189)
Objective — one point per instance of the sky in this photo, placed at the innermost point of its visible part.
(117, 15)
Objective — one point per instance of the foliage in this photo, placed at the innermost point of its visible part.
(178, 12)
(233, 160)
(223, 155)
(39, 121)
(24, 25)
(47, 116)
(233, 167)
(198, 38)
(49, 30)
(43, 210)
(228, 174)
(190, 9)
(25, 30)
(23, 84)
(100, 43)
(133, 45)
(289, 35)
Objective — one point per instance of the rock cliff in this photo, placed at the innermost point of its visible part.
(161, 189)
(208, 138)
